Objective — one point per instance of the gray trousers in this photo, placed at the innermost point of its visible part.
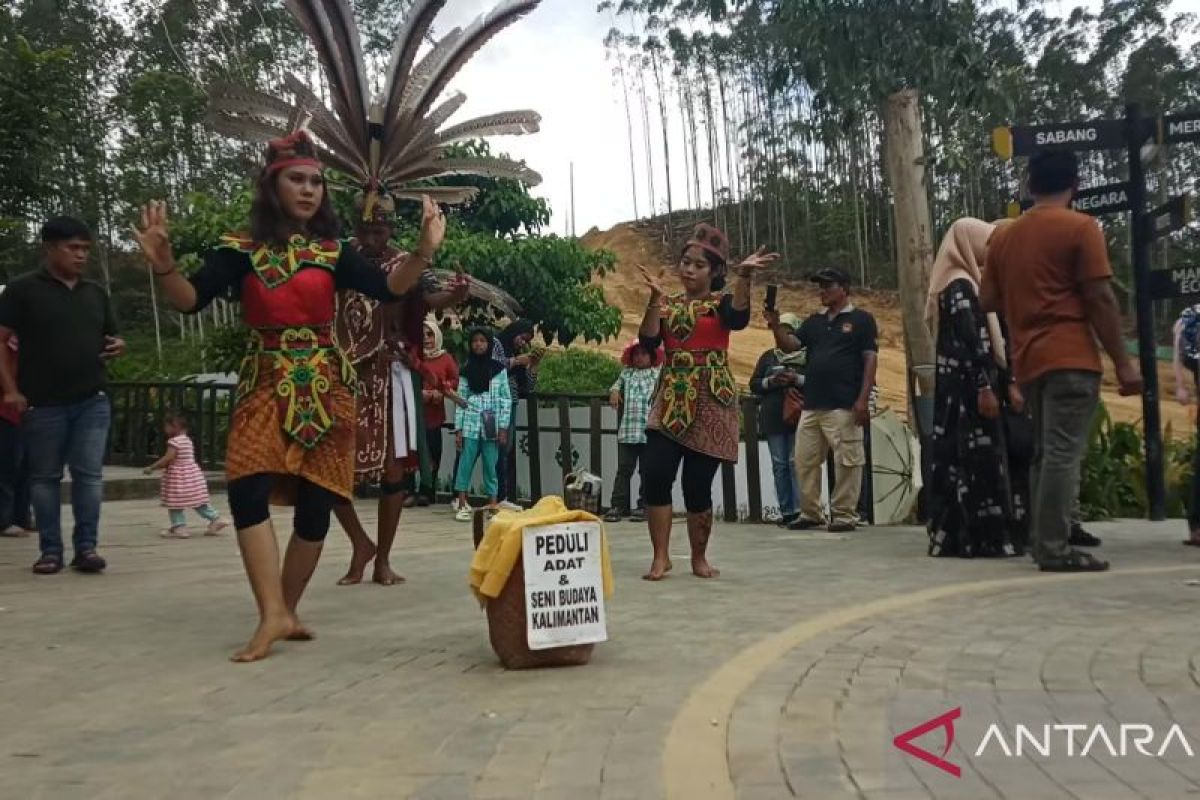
(1062, 403)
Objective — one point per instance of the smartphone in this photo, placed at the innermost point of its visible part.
(772, 293)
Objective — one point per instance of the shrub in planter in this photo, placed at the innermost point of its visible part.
(577, 371)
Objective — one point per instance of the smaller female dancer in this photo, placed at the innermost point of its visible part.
(694, 416)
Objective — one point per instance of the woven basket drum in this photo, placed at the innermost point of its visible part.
(506, 628)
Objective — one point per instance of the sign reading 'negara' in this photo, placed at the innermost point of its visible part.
(1108, 198)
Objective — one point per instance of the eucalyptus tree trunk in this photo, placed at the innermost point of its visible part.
(914, 237)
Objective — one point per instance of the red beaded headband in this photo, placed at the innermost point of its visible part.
(304, 161)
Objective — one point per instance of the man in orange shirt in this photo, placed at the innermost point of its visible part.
(1048, 275)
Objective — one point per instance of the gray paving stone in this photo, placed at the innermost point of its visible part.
(401, 696)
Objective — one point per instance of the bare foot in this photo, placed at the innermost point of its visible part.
(702, 569)
(358, 565)
(384, 575)
(300, 632)
(269, 631)
(658, 571)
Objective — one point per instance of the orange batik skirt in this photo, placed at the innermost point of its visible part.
(295, 418)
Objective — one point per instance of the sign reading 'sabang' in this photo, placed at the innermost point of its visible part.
(1025, 140)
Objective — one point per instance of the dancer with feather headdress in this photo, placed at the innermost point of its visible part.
(389, 148)
(292, 434)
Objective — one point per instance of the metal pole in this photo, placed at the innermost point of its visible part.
(572, 199)
(1147, 355)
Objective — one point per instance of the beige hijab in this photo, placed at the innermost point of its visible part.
(962, 255)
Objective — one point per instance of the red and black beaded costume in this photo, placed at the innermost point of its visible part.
(696, 400)
(693, 418)
(294, 413)
(389, 146)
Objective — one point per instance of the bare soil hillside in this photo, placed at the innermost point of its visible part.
(624, 289)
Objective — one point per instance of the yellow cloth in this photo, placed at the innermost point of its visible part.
(501, 545)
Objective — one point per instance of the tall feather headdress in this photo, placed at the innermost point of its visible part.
(394, 143)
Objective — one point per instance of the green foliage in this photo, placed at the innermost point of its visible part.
(180, 358)
(550, 277)
(1112, 480)
(577, 371)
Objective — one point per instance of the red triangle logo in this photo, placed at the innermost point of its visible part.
(905, 741)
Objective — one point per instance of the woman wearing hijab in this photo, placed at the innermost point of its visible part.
(510, 349)
(776, 373)
(971, 486)
(439, 375)
(482, 420)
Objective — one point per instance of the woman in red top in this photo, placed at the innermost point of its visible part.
(439, 374)
(694, 415)
(291, 438)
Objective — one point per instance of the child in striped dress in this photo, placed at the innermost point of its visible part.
(183, 484)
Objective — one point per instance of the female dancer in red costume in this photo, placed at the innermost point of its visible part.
(694, 415)
(291, 440)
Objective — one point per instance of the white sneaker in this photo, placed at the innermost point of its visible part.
(179, 532)
(215, 527)
(463, 514)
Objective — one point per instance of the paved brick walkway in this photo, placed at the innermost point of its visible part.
(787, 677)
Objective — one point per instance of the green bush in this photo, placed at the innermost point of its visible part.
(576, 371)
(141, 361)
(1113, 477)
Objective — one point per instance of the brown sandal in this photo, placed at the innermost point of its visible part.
(48, 565)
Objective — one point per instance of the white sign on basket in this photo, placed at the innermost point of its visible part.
(564, 590)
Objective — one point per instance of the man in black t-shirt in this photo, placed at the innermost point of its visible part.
(842, 357)
(67, 333)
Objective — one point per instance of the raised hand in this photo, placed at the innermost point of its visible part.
(153, 237)
(433, 228)
(758, 260)
(653, 283)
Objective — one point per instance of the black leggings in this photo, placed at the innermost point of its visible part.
(250, 499)
(660, 463)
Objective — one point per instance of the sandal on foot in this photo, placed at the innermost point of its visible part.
(89, 562)
(178, 532)
(1081, 538)
(48, 565)
(1074, 561)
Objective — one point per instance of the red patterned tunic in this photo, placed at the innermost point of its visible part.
(294, 414)
(696, 399)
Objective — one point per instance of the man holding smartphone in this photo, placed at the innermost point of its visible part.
(776, 381)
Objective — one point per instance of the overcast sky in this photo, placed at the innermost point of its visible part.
(553, 62)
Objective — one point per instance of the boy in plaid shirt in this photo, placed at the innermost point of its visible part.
(631, 395)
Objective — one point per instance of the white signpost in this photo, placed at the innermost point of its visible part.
(564, 588)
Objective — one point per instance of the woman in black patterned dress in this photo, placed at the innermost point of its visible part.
(971, 487)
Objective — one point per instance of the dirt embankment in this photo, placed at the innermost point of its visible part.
(624, 289)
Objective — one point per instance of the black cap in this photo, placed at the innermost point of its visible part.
(830, 275)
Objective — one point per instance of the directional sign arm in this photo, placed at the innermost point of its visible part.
(1170, 216)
